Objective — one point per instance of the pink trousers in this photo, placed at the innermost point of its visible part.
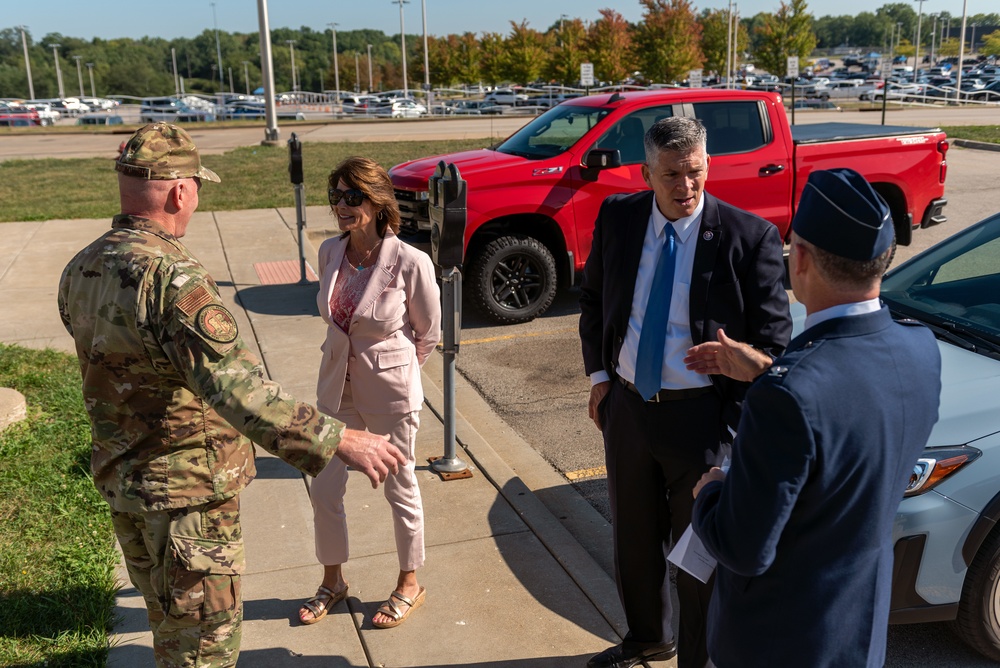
(401, 490)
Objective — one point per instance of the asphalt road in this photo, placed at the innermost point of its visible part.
(532, 373)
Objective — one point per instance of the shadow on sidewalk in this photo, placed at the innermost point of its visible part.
(288, 299)
(265, 658)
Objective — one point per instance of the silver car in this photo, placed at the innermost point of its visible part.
(946, 537)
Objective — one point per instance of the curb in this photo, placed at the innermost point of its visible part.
(978, 145)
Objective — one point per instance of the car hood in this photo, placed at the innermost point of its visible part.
(970, 385)
(413, 175)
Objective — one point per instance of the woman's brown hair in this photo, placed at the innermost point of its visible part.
(366, 175)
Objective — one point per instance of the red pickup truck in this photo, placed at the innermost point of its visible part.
(532, 200)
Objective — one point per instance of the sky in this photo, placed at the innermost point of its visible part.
(186, 18)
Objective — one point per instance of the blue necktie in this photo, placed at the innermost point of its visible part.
(649, 357)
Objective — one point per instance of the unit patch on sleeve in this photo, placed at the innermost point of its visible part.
(217, 324)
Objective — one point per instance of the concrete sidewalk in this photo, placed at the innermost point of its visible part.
(518, 564)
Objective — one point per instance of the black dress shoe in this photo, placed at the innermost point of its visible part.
(620, 657)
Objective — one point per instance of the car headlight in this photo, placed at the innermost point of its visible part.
(937, 464)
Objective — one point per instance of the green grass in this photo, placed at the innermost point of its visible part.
(57, 553)
(253, 177)
(986, 133)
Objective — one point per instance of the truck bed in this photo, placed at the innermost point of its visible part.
(813, 133)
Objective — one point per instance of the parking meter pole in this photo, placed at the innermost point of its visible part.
(451, 289)
(300, 217)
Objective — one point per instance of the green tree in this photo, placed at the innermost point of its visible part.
(667, 41)
(493, 57)
(715, 39)
(567, 47)
(527, 56)
(788, 32)
(991, 42)
(608, 45)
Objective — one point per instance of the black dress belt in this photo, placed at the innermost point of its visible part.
(670, 395)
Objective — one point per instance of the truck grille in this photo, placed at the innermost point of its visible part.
(412, 211)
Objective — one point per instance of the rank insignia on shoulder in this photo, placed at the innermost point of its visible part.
(217, 323)
(777, 371)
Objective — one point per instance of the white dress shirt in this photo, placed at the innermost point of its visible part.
(843, 310)
(674, 375)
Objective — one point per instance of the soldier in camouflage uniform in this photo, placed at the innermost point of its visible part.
(173, 396)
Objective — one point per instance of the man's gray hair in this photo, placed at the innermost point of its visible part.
(681, 134)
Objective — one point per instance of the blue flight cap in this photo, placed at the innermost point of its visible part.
(841, 213)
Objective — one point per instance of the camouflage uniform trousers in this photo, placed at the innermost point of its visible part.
(186, 562)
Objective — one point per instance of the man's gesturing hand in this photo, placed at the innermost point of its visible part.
(728, 358)
(371, 454)
(597, 394)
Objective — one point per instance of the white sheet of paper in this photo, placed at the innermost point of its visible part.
(689, 554)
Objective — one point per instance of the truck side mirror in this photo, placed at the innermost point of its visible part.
(603, 158)
(447, 193)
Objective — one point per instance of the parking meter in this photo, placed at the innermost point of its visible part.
(295, 174)
(447, 194)
(295, 160)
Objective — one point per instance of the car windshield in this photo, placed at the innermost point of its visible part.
(954, 288)
(553, 132)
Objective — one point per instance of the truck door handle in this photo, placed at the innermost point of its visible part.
(770, 170)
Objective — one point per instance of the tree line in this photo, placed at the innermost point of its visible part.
(670, 40)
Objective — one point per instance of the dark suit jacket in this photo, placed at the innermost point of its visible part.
(802, 525)
(737, 284)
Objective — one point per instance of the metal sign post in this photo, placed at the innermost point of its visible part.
(792, 70)
(447, 212)
(296, 176)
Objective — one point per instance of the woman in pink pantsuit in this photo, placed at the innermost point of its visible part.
(380, 301)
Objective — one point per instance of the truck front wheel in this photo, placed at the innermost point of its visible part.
(513, 279)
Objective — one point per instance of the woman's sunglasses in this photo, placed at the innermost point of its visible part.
(351, 196)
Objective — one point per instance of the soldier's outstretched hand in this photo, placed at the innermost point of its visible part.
(371, 454)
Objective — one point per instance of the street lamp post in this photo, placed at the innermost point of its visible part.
(246, 75)
(79, 73)
(271, 135)
(291, 50)
(916, 52)
(402, 44)
(93, 89)
(27, 65)
(173, 60)
(961, 52)
(427, 66)
(933, 38)
(357, 73)
(336, 65)
(371, 85)
(218, 46)
(972, 42)
(55, 55)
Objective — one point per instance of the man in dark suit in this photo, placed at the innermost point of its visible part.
(669, 267)
(802, 524)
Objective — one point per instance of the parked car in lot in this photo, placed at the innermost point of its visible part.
(100, 118)
(401, 108)
(172, 110)
(47, 115)
(815, 103)
(507, 97)
(248, 109)
(476, 107)
(360, 104)
(989, 93)
(18, 121)
(947, 531)
(896, 92)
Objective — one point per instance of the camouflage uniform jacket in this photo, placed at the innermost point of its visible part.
(172, 392)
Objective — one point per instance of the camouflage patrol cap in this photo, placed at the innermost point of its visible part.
(162, 151)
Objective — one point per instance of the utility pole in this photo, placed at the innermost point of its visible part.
(427, 67)
(173, 59)
(55, 55)
(231, 89)
(729, 45)
(79, 73)
(402, 43)
(916, 53)
(267, 73)
(336, 65)
(371, 86)
(93, 89)
(291, 50)
(246, 75)
(27, 64)
(218, 47)
(933, 38)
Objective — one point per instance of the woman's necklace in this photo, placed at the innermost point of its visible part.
(360, 264)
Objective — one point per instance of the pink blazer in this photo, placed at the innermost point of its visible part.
(394, 329)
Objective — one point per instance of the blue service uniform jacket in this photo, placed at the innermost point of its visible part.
(802, 524)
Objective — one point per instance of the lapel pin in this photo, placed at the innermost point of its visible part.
(707, 236)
